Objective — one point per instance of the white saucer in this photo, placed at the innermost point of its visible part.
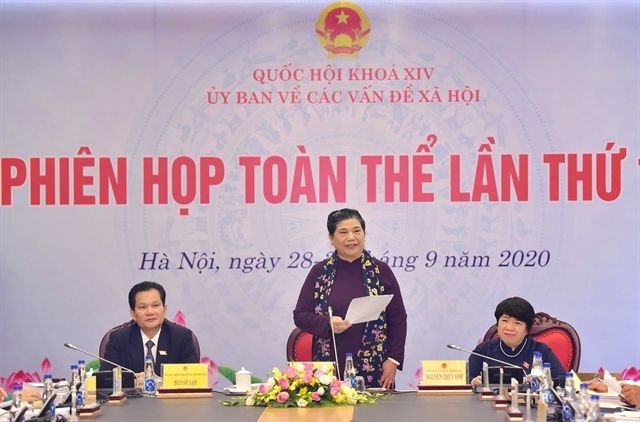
(235, 392)
(240, 392)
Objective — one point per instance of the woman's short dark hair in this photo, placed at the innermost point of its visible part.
(344, 214)
(518, 308)
(143, 287)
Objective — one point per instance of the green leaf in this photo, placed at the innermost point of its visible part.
(93, 364)
(230, 374)
(233, 402)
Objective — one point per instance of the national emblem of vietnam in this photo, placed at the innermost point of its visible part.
(343, 28)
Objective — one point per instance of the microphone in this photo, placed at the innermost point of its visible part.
(506, 364)
(335, 346)
(510, 365)
(71, 346)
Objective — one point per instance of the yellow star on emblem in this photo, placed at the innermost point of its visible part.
(342, 17)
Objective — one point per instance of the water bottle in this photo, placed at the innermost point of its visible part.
(568, 387)
(16, 404)
(149, 389)
(546, 383)
(349, 370)
(583, 402)
(47, 385)
(537, 372)
(73, 382)
(546, 389)
(47, 392)
(82, 381)
(569, 400)
(594, 414)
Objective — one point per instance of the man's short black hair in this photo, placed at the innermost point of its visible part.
(143, 287)
(518, 308)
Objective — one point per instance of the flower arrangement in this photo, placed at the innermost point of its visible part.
(303, 385)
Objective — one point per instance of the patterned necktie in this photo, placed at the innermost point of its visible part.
(150, 345)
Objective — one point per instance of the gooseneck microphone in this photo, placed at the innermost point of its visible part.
(71, 346)
(507, 364)
(335, 346)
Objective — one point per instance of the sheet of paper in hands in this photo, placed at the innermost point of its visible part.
(366, 308)
(611, 382)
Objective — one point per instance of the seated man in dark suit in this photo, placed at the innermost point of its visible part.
(167, 341)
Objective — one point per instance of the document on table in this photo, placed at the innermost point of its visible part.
(625, 416)
(366, 308)
(611, 382)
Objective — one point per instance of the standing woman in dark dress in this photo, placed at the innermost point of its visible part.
(350, 272)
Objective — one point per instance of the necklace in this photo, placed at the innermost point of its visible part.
(513, 356)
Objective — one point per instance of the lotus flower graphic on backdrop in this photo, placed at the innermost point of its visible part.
(180, 319)
(417, 378)
(630, 374)
(212, 370)
(45, 366)
(17, 378)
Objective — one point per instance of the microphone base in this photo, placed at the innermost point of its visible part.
(500, 402)
(117, 399)
(514, 414)
(485, 393)
(90, 411)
